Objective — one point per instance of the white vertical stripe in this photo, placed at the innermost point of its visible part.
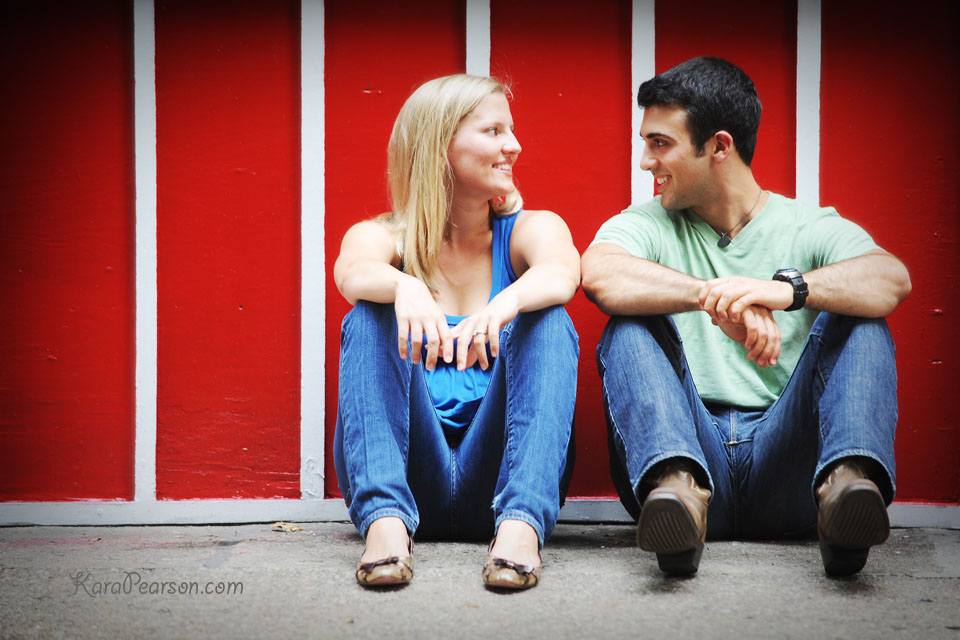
(312, 278)
(808, 101)
(642, 68)
(145, 153)
(478, 37)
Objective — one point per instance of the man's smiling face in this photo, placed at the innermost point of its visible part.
(681, 174)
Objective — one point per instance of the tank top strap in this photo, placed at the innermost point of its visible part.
(503, 275)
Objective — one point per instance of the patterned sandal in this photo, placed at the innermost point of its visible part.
(389, 572)
(499, 573)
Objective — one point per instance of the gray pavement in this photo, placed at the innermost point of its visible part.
(96, 582)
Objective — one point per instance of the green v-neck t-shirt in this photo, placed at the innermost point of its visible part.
(785, 233)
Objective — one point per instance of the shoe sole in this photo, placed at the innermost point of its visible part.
(509, 583)
(667, 528)
(681, 564)
(859, 521)
(385, 583)
(839, 562)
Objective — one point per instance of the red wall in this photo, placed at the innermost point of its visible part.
(890, 160)
(228, 210)
(570, 72)
(762, 40)
(377, 53)
(66, 251)
(228, 249)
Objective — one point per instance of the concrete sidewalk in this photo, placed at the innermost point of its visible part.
(102, 582)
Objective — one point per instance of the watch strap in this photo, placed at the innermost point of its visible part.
(794, 278)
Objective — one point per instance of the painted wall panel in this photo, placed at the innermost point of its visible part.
(228, 229)
(569, 68)
(762, 40)
(66, 251)
(377, 53)
(228, 236)
(890, 161)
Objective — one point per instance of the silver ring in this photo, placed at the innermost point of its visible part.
(479, 333)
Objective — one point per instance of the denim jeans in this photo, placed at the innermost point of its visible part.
(514, 461)
(762, 466)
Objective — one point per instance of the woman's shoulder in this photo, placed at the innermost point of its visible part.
(537, 220)
(381, 226)
(376, 235)
(536, 229)
(540, 235)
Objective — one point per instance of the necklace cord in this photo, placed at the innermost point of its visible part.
(725, 237)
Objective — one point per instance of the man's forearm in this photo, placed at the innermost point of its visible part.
(621, 284)
(870, 286)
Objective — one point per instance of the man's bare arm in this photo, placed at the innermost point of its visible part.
(621, 284)
(870, 286)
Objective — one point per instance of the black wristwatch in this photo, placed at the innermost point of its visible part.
(795, 279)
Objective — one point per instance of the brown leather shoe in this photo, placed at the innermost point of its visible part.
(852, 518)
(389, 572)
(673, 520)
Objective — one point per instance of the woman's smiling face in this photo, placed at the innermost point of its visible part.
(483, 151)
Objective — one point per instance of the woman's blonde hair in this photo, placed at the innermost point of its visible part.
(419, 174)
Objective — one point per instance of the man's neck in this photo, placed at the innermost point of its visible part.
(735, 201)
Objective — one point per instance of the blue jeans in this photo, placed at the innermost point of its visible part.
(515, 460)
(762, 466)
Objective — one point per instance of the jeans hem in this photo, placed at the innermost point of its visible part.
(660, 457)
(409, 522)
(849, 453)
(514, 514)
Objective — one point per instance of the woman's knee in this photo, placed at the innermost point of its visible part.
(367, 314)
(368, 333)
(367, 320)
(551, 327)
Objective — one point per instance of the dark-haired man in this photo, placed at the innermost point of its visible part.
(748, 375)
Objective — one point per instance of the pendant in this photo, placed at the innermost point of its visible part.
(723, 241)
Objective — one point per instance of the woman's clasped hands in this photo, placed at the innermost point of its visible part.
(421, 323)
(483, 328)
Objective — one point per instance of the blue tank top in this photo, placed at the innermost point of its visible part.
(457, 394)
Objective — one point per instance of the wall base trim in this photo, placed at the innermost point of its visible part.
(199, 512)
(902, 514)
(170, 512)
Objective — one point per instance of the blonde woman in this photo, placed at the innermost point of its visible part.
(458, 363)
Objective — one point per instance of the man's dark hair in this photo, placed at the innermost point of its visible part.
(716, 94)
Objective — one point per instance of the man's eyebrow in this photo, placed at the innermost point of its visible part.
(655, 134)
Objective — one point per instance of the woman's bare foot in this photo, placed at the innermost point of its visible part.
(386, 538)
(517, 541)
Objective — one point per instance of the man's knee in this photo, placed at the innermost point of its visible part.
(637, 338)
(626, 330)
(869, 336)
(852, 327)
